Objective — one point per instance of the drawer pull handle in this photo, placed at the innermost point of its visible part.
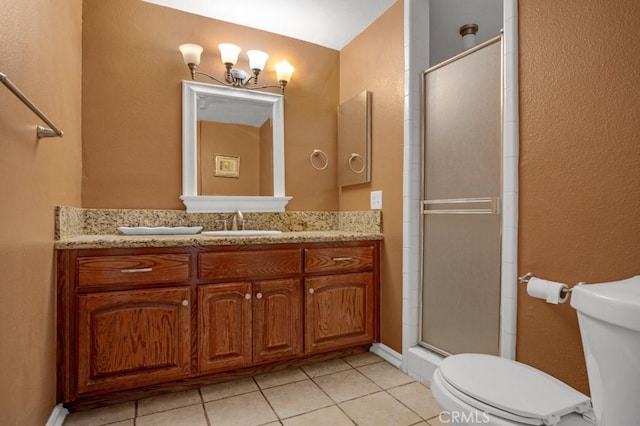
(311, 291)
(259, 296)
(247, 296)
(185, 302)
(341, 259)
(135, 270)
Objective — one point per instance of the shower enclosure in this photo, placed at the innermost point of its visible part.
(461, 187)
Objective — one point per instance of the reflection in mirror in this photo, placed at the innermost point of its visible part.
(233, 149)
(235, 159)
(354, 140)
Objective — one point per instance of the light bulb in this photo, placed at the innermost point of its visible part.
(229, 53)
(257, 59)
(284, 70)
(191, 53)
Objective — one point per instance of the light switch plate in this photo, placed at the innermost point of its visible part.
(376, 200)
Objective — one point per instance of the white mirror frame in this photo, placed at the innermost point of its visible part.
(213, 203)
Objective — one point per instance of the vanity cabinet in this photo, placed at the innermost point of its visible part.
(339, 304)
(130, 319)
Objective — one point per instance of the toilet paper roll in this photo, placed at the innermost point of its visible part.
(550, 291)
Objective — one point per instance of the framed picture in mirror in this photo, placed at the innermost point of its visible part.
(227, 166)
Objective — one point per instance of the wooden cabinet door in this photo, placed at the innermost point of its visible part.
(277, 319)
(224, 326)
(133, 338)
(338, 311)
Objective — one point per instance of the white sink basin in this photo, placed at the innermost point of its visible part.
(239, 233)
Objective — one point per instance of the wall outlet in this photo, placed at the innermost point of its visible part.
(376, 200)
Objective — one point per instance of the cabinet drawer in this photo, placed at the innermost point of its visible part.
(247, 264)
(338, 259)
(133, 269)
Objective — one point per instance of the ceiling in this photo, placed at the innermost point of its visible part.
(328, 23)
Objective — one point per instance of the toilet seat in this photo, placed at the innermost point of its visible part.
(509, 389)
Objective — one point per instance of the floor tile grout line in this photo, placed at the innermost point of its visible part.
(409, 408)
(267, 400)
(204, 408)
(350, 399)
(336, 403)
(282, 384)
(135, 419)
(231, 396)
(311, 379)
(169, 409)
(425, 419)
(323, 391)
(422, 419)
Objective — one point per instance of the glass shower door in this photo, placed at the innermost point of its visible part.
(461, 232)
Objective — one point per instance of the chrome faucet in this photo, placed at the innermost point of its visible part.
(237, 220)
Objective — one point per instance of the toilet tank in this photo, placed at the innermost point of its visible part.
(609, 318)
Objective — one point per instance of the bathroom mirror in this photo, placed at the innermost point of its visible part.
(222, 129)
(354, 140)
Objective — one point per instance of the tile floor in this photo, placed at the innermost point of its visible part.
(360, 389)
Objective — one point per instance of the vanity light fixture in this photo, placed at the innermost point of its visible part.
(234, 76)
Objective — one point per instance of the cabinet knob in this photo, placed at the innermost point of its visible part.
(185, 302)
(247, 296)
(259, 296)
(311, 291)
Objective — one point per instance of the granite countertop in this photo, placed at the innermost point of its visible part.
(79, 228)
(131, 241)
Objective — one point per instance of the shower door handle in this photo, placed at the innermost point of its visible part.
(494, 206)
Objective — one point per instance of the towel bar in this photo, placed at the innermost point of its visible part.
(42, 132)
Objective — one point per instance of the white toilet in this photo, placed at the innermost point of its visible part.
(477, 389)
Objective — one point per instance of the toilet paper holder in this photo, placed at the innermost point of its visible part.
(526, 277)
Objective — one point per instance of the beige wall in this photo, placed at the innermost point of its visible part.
(579, 164)
(41, 55)
(132, 73)
(374, 61)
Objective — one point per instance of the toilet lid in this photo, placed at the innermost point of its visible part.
(512, 387)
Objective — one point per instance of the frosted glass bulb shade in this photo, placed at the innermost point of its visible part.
(284, 71)
(191, 53)
(229, 53)
(257, 59)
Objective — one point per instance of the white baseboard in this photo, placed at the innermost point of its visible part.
(388, 354)
(57, 416)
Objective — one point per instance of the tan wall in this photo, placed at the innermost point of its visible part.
(132, 73)
(374, 61)
(41, 55)
(579, 164)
